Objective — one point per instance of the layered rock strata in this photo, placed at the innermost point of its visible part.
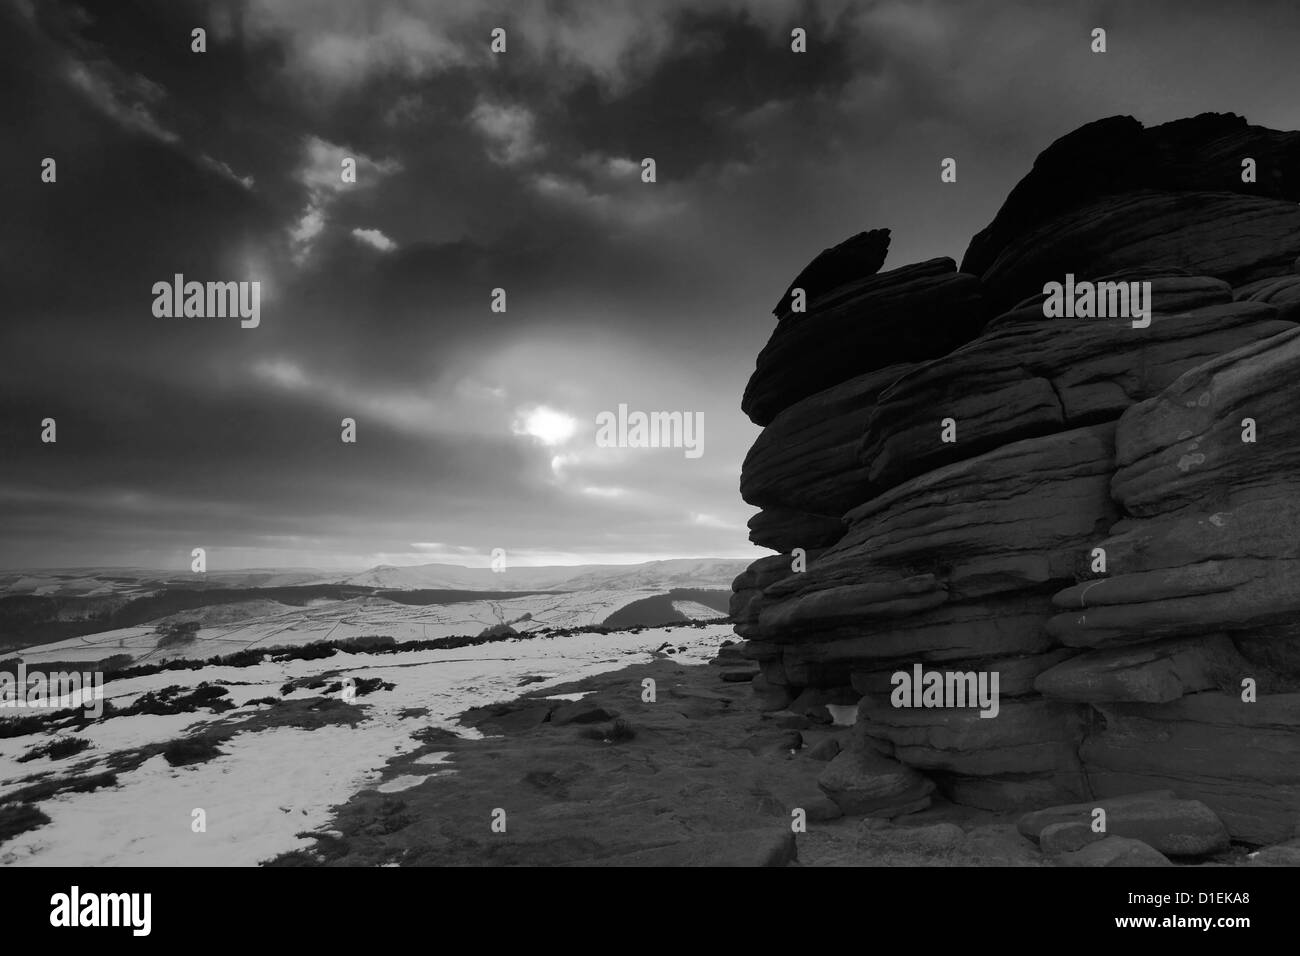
(1104, 513)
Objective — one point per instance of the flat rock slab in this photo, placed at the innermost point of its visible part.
(999, 844)
(1157, 818)
(936, 844)
(876, 842)
(770, 846)
(1115, 851)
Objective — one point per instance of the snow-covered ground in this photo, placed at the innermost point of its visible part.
(335, 620)
(275, 783)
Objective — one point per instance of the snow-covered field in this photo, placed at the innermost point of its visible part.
(336, 620)
(272, 784)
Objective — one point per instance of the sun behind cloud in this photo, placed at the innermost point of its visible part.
(547, 425)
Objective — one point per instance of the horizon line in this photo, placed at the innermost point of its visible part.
(362, 569)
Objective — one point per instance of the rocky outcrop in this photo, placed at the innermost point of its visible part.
(951, 565)
(1221, 234)
(916, 312)
(1102, 512)
(807, 458)
(855, 258)
(1239, 759)
(1281, 292)
(1025, 754)
(783, 529)
(1036, 376)
(1117, 155)
(1209, 470)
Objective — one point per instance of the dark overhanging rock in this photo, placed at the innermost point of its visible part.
(855, 258)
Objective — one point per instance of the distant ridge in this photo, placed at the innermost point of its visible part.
(110, 582)
(673, 573)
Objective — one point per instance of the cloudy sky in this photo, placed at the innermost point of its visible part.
(475, 170)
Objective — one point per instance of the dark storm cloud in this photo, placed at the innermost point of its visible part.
(475, 171)
(725, 67)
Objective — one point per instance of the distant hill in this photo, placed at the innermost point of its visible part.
(656, 575)
(133, 582)
(41, 607)
(138, 582)
(664, 608)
